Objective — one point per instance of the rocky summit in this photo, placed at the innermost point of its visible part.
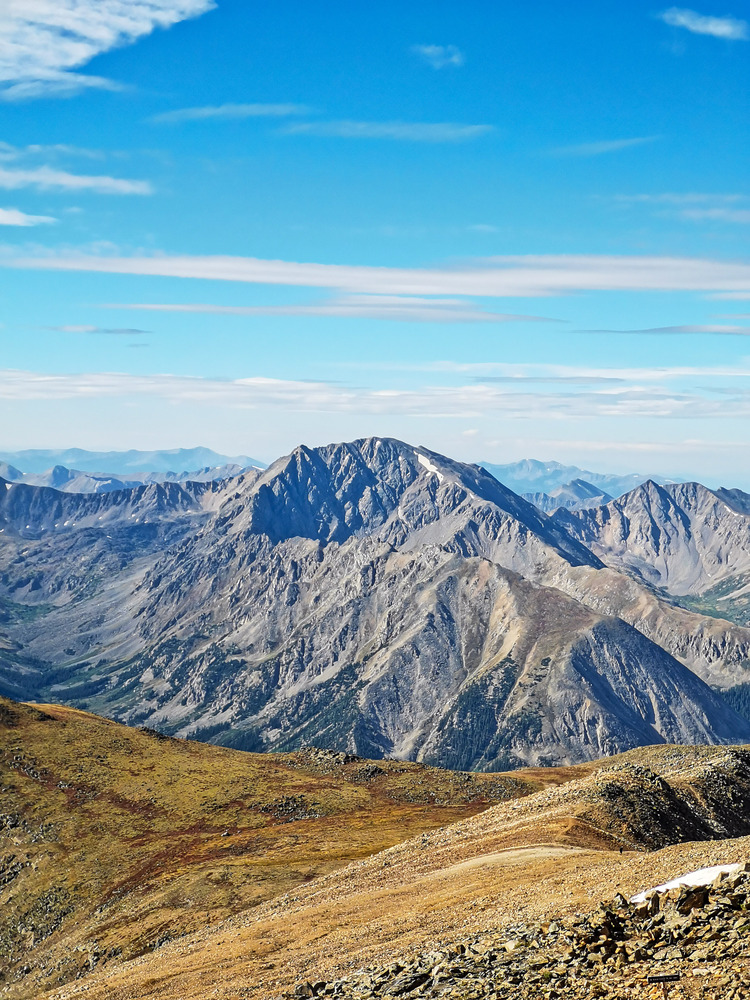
(372, 598)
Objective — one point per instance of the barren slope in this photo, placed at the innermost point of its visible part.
(548, 854)
(114, 840)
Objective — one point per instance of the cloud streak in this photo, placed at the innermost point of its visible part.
(50, 179)
(681, 198)
(464, 401)
(603, 147)
(494, 277)
(695, 206)
(429, 132)
(440, 56)
(43, 42)
(730, 28)
(733, 215)
(229, 112)
(401, 308)
(712, 328)
(110, 331)
(14, 217)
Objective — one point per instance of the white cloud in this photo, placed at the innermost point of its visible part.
(440, 56)
(519, 276)
(463, 401)
(714, 328)
(50, 179)
(9, 152)
(738, 215)
(232, 111)
(42, 42)
(402, 308)
(730, 28)
(400, 131)
(14, 217)
(79, 328)
(604, 146)
(681, 198)
(695, 206)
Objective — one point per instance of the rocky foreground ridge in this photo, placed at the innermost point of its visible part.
(700, 934)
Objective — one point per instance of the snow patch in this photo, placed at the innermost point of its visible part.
(429, 466)
(704, 876)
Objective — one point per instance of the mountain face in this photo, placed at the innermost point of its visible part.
(369, 597)
(122, 463)
(532, 476)
(575, 495)
(683, 538)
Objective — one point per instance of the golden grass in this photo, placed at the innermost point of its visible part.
(125, 839)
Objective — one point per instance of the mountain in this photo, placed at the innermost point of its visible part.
(124, 463)
(370, 597)
(532, 476)
(575, 495)
(74, 481)
(683, 538)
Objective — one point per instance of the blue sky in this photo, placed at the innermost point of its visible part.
(502, 230)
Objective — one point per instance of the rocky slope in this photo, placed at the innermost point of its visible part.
(683, 538)
(370, 597)
(698, 938)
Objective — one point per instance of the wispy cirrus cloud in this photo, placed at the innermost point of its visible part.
(731, 28)
(440, 56)
(722, 329)
(681, 198)
(44, 42)
(109, 331)
(14, 217)
(541, 372)
(58, 149)
(398, 131)
(462, 401)
(229, 112)
(717, 214)
(401, 308)
(694, 205)
(602, 147)
(495, 277)
(50, 179)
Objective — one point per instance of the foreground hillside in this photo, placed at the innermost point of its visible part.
(370, 597)
(542, 858)
(115, 840)
(151, 867)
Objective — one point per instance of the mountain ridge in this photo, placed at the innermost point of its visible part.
(373, 596)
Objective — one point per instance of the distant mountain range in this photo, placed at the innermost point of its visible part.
(129, 465)
(575, 495)
(383, 599)
(532, 476)
(75, 481)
